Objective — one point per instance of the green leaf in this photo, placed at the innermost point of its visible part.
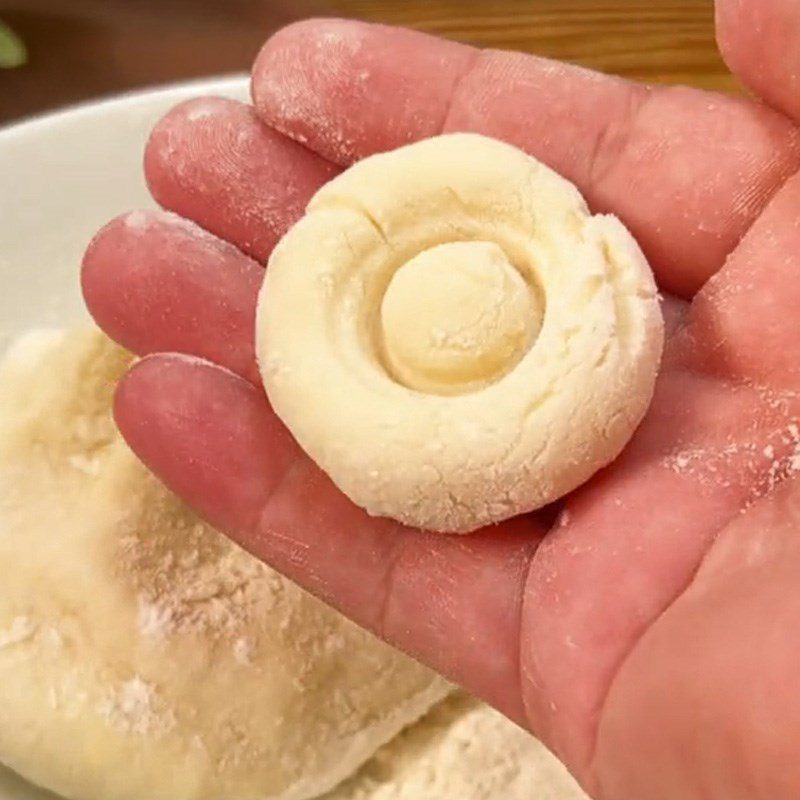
(12, 50)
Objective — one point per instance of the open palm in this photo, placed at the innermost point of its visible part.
(649, 635)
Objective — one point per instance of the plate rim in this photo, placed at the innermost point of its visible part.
(43, 119)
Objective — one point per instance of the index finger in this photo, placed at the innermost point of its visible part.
(687, 171)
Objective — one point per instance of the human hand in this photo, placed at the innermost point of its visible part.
(650, 635)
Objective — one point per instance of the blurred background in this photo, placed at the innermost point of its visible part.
(57, 52)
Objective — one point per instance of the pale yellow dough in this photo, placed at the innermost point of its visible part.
(462, 750)
(455, 317)
(143, 656)
(454, 338)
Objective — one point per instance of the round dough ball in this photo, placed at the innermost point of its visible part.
(143, 654)
(456, 316)
(452, 335)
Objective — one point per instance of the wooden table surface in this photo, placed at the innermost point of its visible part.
(80, 49)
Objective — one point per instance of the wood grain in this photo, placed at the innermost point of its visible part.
(668, 41)
(85, 48)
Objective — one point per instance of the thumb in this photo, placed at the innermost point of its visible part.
(706, 706)
(760, 41)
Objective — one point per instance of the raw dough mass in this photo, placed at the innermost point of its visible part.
(453, 337)
(144, 655)
(462, 750)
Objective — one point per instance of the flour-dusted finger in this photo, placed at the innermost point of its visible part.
(760, 40)
(213, 161)
(687, 171)
(211, 438)
(155, 282)
(744, 322)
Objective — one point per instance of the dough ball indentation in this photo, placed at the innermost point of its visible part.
(456, 317)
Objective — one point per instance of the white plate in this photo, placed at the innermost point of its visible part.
(62, 176)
